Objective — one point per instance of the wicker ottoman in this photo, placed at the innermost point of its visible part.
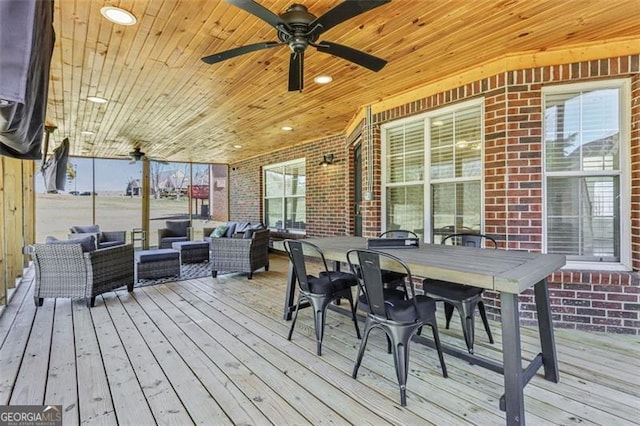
(192, 251)
(152, 264)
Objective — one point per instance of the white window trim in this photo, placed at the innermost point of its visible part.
(426, 181)
(264, 188)
(625, 172)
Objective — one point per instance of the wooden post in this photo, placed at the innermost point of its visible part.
(146, 191)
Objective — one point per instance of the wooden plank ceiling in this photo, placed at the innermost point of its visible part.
(163, 98)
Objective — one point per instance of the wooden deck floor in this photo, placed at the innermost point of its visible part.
(215, 352)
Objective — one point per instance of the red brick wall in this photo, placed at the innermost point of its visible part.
(598, 300)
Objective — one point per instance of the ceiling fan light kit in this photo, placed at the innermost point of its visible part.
(298, 28)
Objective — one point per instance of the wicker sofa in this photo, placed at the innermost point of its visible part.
(64, 270)
(246, 254)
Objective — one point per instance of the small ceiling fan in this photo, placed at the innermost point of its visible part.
(298, 28)
(137, 155)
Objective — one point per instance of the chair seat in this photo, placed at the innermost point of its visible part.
(389, 277)
(448, 290)
(403, 310)
(389, 294)
(324, 285)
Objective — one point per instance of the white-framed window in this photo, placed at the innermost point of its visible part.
(586, 173)
(432, 174)
(284, 196)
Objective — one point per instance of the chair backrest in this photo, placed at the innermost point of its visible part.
(296, 250)
(370, 278)
(398, 233)
(178, 228)
(470, 239)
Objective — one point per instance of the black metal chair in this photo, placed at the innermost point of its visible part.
(462, 297)
(399, 319)
(319, 290)
(393, 279)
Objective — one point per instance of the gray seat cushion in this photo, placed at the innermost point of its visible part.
(146, 256)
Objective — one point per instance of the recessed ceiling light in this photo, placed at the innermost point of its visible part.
(97, 99)
(87, 133)
(237, 146)
(323, 79)
(287, 128)
(118, 16)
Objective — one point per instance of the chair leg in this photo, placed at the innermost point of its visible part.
(293, 321)
(448, 313)
(363, 345)
(214, 274)
(436, 339)
(38, 301)
(401, 355)
(401, 338)
(466, 310)
(250, 275)
(91, 302)
(130, 287)
(319, 318)
(354, 317)
(483, 315)
(266, 267)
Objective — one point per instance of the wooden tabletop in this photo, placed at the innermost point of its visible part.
(500, 270)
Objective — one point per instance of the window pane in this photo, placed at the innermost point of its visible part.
(456, 144)
(583, 218)
(273, 182)
(582, 130)
(456, 208)
(295, 215)
(405, 208)
(295, 179)
(273, 213)
(405, 152)
(284, 188)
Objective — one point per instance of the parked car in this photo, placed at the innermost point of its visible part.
(74, 193)
(88, 193)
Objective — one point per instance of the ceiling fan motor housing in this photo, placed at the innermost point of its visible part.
(298, 36)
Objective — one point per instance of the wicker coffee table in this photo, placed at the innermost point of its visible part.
(192, 251)
(157, 263)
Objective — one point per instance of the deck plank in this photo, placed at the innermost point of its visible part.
(129, 400)
(196, 398)
(62, 382)
(225, 392)
(32, 377)
(295, 381)
(94, 394)
(13, 348)
(161, 397)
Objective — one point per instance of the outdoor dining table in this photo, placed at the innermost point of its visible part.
(508, 272)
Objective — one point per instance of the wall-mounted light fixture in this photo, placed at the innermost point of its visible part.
(328, 159)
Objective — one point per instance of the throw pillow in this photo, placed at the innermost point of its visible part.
(219, 231)
(85, 229)
(87, 243)
(248, 234)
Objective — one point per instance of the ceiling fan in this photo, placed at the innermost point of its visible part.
(137, 155)
(298, 28)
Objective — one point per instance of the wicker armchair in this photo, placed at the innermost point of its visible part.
(240, 254)
(63, 270)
